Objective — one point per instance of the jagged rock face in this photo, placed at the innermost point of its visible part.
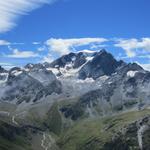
(47, 78)
(22, 86)
(123, 69)
(80, 60)
(103, 63)
(14, 72)
(126, 89)
(75, 59)
(34, 67)
(62, 61)
(127, 84)
(44, 76)
(89, 64)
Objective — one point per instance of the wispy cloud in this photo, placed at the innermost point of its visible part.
(11, 10)
(98, 46)
(36, 43)
(133, 47)
(7, 43)
(42, 48)
(21, 54)
(64, 46)
(4, 43)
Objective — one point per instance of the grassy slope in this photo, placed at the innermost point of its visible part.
(85, 134)
(94, 133)
(53, 120)
(13, 138)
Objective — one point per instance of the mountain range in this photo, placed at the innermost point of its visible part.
(86, 100)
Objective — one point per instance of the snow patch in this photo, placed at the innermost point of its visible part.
(3, 74)
(16, 72)
(31, 65)
(54, 70)
(87, 51)
(89, 58)
(26, 69)
(87, 80)
(103, 78)
(69, 66)
(73, 58)
(13, 120)
(131, 73)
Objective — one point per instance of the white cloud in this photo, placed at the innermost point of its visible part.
(98, 46)
(36, 43)
(133, 47)
(42, 48)
(4, 43)
(16, 43)
(7, 65)
(64, 46)
(7, 43)
(145, 66)
(22, 54)
(11, 10)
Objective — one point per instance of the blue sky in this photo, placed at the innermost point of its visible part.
(41, 31)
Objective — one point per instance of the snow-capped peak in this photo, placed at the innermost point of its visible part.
(87, 51)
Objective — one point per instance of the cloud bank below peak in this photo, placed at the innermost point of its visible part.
(11, 10)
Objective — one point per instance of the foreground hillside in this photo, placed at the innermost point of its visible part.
(130, 130)
(115, 132)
